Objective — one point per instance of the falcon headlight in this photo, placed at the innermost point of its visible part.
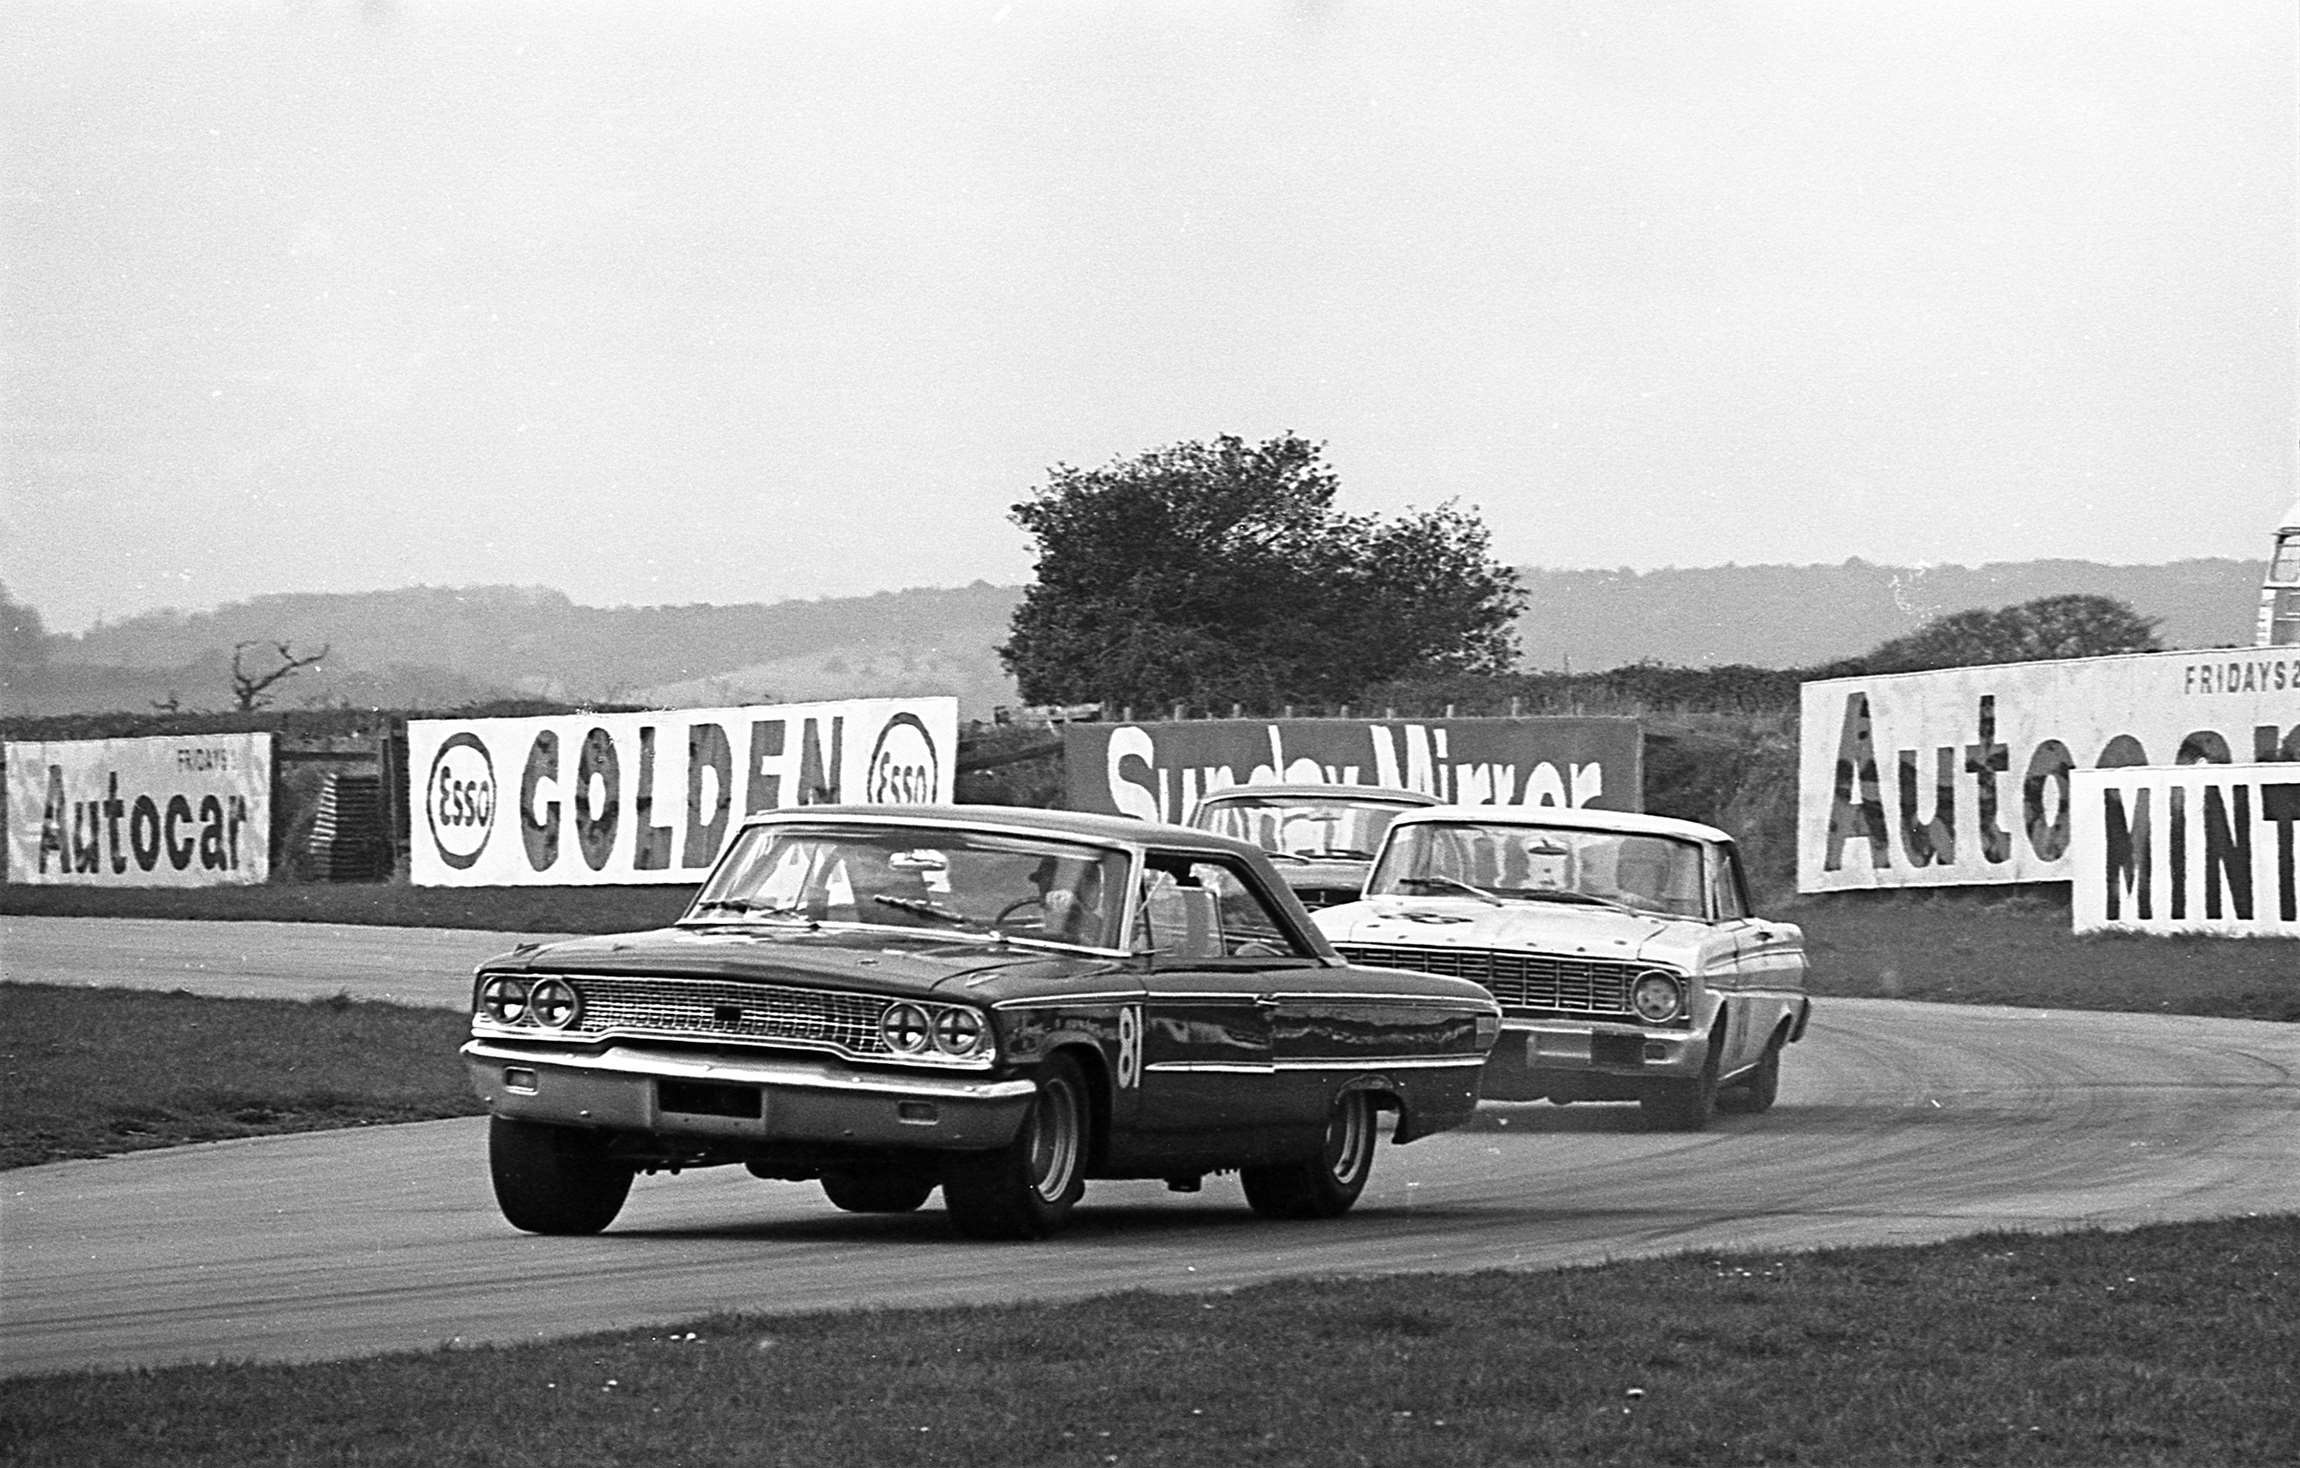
(1657, 997)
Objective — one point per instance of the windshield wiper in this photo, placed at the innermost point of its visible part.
(1340, 853)
(1452, 885)
(923, 907)
(1566, 894)
(787, 912)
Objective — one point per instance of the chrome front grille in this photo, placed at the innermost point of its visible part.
(1538, 981)
(705, 1009)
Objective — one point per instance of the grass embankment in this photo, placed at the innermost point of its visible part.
(1967, 948)
(2172, 1345)
(371, 904)
(89, 1072)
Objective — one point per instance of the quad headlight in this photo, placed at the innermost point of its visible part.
(958, 1031)
(503, 999)
(906, 1029)
(554, 1003)
(937, 1030)
(1657, 997)
(514, 999)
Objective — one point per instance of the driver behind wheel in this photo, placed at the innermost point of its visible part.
(1070, 894)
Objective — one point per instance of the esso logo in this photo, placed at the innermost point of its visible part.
(903, 768)
(459, 797)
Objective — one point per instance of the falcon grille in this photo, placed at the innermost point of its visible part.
(1520, 981)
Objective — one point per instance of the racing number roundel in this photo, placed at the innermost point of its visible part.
(459, 800)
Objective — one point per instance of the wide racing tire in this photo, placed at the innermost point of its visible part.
(554, 1179)
(1327, 1185)
(1686, 1106)
(1755, 1093)
(1026, 1189)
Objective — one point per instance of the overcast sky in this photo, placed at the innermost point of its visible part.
(671, 302)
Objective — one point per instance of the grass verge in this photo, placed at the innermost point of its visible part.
(88, 1072)
(377, 904)
(2016, 948)
(2173, 1344)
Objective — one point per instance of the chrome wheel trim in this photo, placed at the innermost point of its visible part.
(1349, 1138)
(1057, 1132)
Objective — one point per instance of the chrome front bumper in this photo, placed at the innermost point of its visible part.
(1614, 1049)
(744, 1099)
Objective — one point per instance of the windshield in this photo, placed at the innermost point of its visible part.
(1542, 863)
(918, 877)
(1312, 826)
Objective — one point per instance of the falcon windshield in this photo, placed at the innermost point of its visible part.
(1510, 862)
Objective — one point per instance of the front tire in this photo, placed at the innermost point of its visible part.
(1324, 1186)
(1686, 1106)
(1026, 1189)
(554, 1179)
(1756, 1094)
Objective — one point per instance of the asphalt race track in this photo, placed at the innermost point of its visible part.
(1897, 1123)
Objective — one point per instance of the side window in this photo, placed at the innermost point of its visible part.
(1729, 897)
(1208, 909)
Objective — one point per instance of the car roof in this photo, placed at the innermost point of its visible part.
(1577, 818)
(1028, 820)
(1321, 791)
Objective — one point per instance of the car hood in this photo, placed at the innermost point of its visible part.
(877, 960)
(1521, 926)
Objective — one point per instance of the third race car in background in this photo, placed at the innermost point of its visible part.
(1322, 837)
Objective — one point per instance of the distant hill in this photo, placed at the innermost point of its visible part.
(436, 647)
(1800, 616)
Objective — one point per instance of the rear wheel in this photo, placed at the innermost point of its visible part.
(1326, 1185)
(554, 1179)
(1026, 1189)
(877, 1192)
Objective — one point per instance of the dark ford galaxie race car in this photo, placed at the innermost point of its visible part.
(1001, 1003)
(1627, 959)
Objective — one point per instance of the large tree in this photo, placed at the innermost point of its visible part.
(2076, 625)
(1215, 573)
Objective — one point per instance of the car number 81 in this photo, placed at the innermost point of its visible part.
(1129, 1047)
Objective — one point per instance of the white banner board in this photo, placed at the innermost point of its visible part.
(1159, 772)
(190, 811)
(614, 799)
(2201, 849)
(1961, 776)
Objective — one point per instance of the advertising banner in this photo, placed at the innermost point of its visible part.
(615, 799)
(1157, 772)
(2201, 849)
(1961, 777)
(190, 811)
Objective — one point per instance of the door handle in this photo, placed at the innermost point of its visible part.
(1265, 1001)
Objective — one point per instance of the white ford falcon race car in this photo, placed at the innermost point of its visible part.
(1622, 947)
